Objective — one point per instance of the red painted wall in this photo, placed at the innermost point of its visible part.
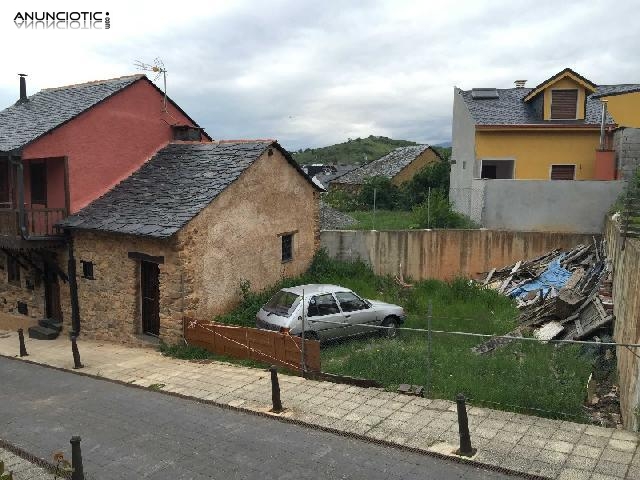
(108, 142)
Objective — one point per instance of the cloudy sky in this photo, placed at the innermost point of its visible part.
(314, 73)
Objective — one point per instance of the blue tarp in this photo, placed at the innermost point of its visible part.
(553, 277)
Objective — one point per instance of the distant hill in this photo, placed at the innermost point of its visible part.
(353, 151)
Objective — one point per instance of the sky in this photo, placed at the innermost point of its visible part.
(315, 73)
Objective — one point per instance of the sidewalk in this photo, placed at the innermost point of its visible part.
(531, 445)
(22, 469)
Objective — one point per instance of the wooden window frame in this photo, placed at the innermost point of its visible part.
(87, 269)
(575, 116)
(562, 165)
(287, 250)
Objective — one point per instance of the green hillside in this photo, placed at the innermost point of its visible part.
(351, 151)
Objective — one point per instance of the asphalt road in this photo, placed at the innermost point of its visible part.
(132, 433)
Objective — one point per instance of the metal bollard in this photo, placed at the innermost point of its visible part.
(275, 391)
(23, 349)
(465, 449)
(76, 353)
(76, 459)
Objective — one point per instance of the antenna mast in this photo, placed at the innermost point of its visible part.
(159, 69)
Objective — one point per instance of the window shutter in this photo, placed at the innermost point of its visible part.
(564, 104)
(563, 172)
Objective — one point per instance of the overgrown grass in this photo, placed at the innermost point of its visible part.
(530, 377)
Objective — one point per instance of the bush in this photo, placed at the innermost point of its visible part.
(380, 189)
(436, 212)
(342, 200)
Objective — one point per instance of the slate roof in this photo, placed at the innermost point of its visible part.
(171, 188)
(510, 109)
(609, 90)
(388, 166)
(24, 122)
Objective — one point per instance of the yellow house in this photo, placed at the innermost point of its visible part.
(400, 165)
(548, 132)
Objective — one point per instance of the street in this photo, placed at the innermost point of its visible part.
(132, 433)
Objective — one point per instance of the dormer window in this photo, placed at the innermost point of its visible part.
(564, 104)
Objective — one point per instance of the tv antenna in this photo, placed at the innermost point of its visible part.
(158, 68)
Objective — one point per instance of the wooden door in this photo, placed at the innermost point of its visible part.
(52, 295)
(150, 291)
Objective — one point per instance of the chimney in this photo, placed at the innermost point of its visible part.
(520, 83)
(23, 87)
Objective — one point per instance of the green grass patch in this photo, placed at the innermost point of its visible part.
(530, 377)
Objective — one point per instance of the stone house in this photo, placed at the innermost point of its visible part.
(118, 213)
(180, 235)
(400, 165)
(60, 149)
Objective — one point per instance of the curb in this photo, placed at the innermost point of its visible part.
(292, 421)
(31, 458)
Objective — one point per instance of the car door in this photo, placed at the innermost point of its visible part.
(357, 312)
(325, 318)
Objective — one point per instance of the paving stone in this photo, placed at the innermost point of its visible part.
(560, 446)
(586, 451)
(593, 441)
(598, 431)
(538, 467)
(581, 463)
(633, 472)
(573, 474)
(617, 456)
(626, 435)
(542, 432)
(622, 445)
(611, 468)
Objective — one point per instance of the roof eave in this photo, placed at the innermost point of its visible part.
(585, 82)
(536, 126)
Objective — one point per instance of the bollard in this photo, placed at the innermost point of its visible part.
(76, 354)
(23, 349)
(76, 459)
(465, 449)
(275, 390)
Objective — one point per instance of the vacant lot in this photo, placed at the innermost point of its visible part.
(528, 377)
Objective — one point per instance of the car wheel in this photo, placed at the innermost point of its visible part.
(391, 330)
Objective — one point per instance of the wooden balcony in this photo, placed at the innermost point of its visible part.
(39, 224)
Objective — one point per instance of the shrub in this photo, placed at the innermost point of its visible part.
(380, 189)
(436, 212)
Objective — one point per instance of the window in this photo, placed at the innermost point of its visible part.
(563, 172)
(38, 173)
(501, 169)
(13, 270)
(186, 133)
(287, 247)
(322, 305)
(564, 104)
(87, 269)
(350, 302)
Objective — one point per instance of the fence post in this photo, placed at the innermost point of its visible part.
(23, 348)
(275, 390)
(76, 354)
(465, 449)
(429, 315)
(76, 459)
(303, 365)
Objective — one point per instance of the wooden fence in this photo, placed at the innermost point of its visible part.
(251, 343)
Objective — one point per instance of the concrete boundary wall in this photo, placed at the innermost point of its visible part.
(549, 206)
(443, 254)
(626, 308)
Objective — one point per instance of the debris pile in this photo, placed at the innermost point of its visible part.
(560, 295)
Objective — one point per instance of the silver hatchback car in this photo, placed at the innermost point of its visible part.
(330, 312)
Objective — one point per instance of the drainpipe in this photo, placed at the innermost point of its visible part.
(20, 181)
(602, 123)
(73, 288)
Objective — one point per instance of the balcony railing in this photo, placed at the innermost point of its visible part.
(39, 222)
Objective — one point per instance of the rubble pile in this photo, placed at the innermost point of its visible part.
(560, 295)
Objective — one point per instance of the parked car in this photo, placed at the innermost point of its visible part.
(330, 312)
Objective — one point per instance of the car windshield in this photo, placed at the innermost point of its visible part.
(282, 303)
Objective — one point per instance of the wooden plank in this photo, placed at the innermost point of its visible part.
(505, 284)
(489, 275)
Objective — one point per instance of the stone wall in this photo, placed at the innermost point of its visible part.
(626, 143)
(29, 290)
(442, 254)
(110, 302)
(238, 237)
(625, 257)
